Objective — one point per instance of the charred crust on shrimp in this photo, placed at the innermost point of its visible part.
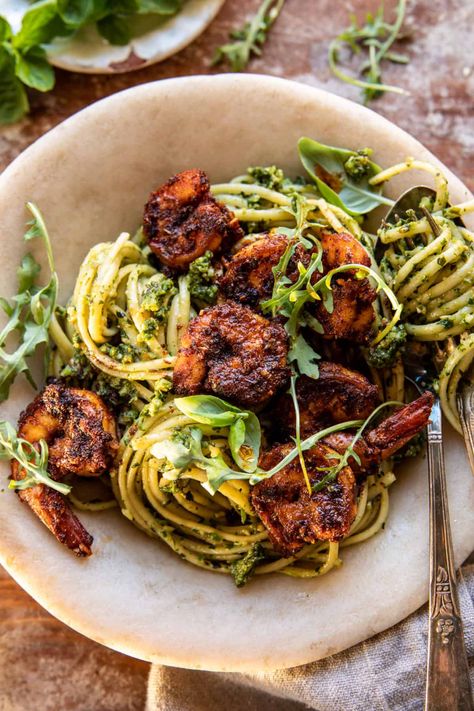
(82, 440)
(182, 220)
(292, 516)
(232, 352)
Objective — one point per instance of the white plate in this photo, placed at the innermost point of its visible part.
(89, 53)
(90, 176)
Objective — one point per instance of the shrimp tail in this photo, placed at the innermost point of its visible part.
(393, 433)
(387, 438)
(54, 511)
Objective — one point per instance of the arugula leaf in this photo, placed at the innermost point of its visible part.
(13, 100)
(244, 434)
(184, 449)
(375, 38)
(350, 453)
(33, 463)
(342, 176)
(249, 39)
(304, 356)
(34, 70)
(29, 312)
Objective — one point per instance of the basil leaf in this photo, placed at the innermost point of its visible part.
(5, 29)
(209, 410)
(159, 7)
(34, 70)
(218, 473)
(244, 442)
(347, 171)
(305, 357)
(40, 24)
(182, 449)
(75, 12)
(13, 99)
(115, 30)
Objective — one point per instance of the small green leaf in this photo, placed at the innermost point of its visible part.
(40, 24)
(5, 29)
(27, 273)
(305, 357)
(13, 99)
(209, 410)
(115, 30)
(355, 195)
(34, 70)
(244, 442)
(75, 12)
(159, 7)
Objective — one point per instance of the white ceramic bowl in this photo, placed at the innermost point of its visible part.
(90, 176)
(88, 53)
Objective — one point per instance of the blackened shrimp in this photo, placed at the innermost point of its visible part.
(232, 352)
(249, 277)
(82, 439)
(292, 515)
(353, 314)
(338, 395)
(388, 437)
(182, 220)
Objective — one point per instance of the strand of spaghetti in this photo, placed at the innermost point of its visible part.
(251, 189)
(436, 246)
(375, 527)
(430, 270)
(450, 307)
(440, 330)
(462, 356)
(441, 184)
(411, 229)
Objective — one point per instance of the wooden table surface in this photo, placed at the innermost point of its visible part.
(44, 664)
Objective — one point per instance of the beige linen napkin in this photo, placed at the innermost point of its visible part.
(385, 673)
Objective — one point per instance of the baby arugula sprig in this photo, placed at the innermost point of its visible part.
(30, 312)
(23, 60)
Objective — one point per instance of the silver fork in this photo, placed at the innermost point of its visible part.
(448, 685)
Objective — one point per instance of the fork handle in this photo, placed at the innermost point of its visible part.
(448, 686)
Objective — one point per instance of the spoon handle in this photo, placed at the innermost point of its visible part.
(465, 402)
(448, 686)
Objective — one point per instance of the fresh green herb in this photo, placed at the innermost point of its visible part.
(185, 448)
(32, 463)
(375, 39)
(29, 312)
(342, 460)
(386, 352)
(342, 176)
(244, 433)
(23, 60)
(242, 570)
(251, 38)
(201, 277)
(209, 410)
